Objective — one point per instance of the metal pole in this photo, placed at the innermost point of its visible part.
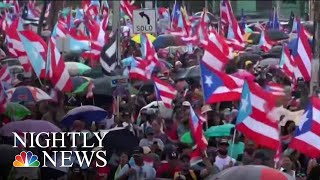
(278, 6)
(206, 4)
(315, 60)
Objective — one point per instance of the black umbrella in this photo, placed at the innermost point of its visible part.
(120, 140)
(242, 58)
(188, 73)
(103, 86)
(167, 40)
(144, 87)
(274, 35)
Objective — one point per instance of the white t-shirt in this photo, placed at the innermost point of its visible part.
(221, 162)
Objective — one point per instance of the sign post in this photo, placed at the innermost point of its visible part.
(144, 21)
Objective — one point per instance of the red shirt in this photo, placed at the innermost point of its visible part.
(102, 171)
(165, 171)
(172, 134)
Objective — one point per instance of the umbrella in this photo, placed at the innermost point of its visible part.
(36, 126)
(76, 68)
(120, 140)
(274, 35)
(86, 113)
(269, 62)
(27, 94)
(7, 156)
(243, 74)
(219, 131)
(103, 86)
(159, 107)
(188, 73)
(243, 57)
(167, 40)
(16, 111)
(186, 138)
(250, 172)
(4, 5)
(80, 83)
(136, 38)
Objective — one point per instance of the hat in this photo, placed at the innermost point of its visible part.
(146, 150)
(149, 131)
(205, 109)
(248, 62)
(178, 63)
(137, 151)
(172, 155)
(186, 103)
(224, 141)
(227, 111)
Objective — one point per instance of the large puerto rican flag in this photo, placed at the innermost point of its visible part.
(165, 92)
(302, 53)
(252, 119)
(307, 135)
(219, 86)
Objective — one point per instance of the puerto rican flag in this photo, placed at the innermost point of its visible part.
(15, 4)
(5, 75)
(165, 92)
(195, 125)
(36, 49)
(3, 98)
(176, 13)
(138, 69)
(127, 7)
(56, 68)
(302, 53)
(252, 118)
(219, 86)
(15, 46)
(265, 43)
(287, 64)
(149, 55)
(275, 89)
(307, 135)
(213, 57)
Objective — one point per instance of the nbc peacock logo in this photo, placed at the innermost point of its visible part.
(26, 159)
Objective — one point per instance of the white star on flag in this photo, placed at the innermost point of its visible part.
(304, 119)
(244, 103)
(208, 80)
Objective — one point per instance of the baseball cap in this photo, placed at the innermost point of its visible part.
(205, 109)
(186, 103)
(137, 151)
(149, 131)
(224, 141)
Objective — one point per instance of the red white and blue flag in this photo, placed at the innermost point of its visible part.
(287, 64)
(195, 125)
(165, 92)
(213, 57)
(5, 75)
(276, 89)
(265, 43)
(307, 135)
(252, 118)
(127, 7)
(219, 86)
(3, 98)
(56, 68)
(302, 53)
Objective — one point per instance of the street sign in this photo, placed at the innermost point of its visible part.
(144, 21)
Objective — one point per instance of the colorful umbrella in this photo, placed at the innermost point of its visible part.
(250, 172)
(36, 126)
(80, 83)
(136, 38)
(167, 40)
(76, 68)
(219, 131)
(186, 138)
(16, 111)
(86, 113)
(27, 94)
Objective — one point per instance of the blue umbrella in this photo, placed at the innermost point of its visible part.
(86, 113)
